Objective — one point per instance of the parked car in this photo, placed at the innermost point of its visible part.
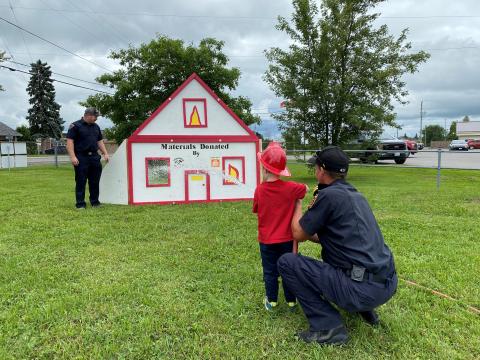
(395, 150)
(458, 145)
(473, 144)
(61, 150)
(412, 146)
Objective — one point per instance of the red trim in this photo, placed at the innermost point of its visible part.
(189, 202)
(225, 107)
(129, 172)
(146, 172)
(190, 172)
(258, 146)
(190, 139)
(185, 122)
(192, 77)
(242, 159)
(153, 139)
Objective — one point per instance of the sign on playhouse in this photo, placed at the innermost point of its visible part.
(192, 148)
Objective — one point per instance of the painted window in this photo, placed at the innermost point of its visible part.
(157, 172)
(233, 169)
(195, 113)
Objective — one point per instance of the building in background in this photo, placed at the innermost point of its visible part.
(468, 130)
(12, 153)
(8, 134)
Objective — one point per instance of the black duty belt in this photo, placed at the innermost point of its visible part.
(360, 274)
(88, 153)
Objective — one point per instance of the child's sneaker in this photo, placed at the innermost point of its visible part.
(269, 305)
(292, 306)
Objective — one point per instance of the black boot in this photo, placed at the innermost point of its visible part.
(335, 336)
(370, 317)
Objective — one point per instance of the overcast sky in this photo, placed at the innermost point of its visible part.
(449, 30)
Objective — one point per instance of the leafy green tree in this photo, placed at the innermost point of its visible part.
(44, 113)
(151, 72)
(341, 74)
(293, 138)
(433, 133)
(28, 138)
(452, 134)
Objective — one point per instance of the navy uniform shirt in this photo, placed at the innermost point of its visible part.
(347, 229)
(85, 137)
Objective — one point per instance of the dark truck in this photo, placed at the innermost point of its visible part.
(395, 150)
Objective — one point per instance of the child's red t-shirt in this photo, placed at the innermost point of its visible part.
(274, 202)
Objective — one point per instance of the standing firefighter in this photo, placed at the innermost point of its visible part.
(357, 272)
(84, 139)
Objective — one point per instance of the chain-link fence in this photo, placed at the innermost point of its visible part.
(54, 153)
(438, 159)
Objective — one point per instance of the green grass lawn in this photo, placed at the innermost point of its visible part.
(180, 282)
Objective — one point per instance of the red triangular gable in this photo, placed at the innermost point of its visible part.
(193, 110)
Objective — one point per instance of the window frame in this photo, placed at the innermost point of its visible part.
(147, 159)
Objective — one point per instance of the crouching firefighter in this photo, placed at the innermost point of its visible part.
(357, 273)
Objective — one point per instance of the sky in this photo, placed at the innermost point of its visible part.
(448, 84)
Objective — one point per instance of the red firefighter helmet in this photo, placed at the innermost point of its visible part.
(274, 159)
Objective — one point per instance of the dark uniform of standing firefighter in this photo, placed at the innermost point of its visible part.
(357, 273)
(84, 139)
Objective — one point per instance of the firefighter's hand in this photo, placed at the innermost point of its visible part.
(74, 161)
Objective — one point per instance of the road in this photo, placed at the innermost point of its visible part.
(47, 160)
(450, 160)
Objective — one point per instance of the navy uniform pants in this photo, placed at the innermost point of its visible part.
(89, 168)
(318, 285)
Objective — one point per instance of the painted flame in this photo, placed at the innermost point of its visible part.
(233, 172)
(195, 117)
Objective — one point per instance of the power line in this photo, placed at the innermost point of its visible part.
(58, 46)
(73, 22)
(59, 81)
(103, 22)
(67, 76)
(149, 14)
(21, 33)
(229, 17)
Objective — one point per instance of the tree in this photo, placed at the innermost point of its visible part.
(452, 134)
(433, 133)
(153, 71)
(466, 118)
(28, 138)
(44, 113)
(293, 138)
(340, 75)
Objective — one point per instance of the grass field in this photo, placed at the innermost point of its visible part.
(177, 282)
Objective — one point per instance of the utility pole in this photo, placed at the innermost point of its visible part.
(445, 127)
(421, 125)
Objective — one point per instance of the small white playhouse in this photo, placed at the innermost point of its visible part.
(193, 148)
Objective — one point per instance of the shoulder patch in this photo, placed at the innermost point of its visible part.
(71, 125)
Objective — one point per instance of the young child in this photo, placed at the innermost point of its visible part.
(274, 202)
